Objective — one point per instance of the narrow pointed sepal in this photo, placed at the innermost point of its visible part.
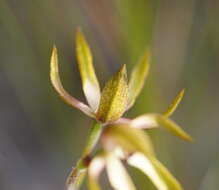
(56, 82)
(114, 97)
(138, 77)
(157, 173)
(173, 127)
(89, 80)
(155, 120)
(174, 104)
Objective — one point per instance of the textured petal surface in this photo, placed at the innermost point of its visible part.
(89, 80)
(55, 79)
(114, 97)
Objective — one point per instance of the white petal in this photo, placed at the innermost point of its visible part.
(141, 162)
(118, 176)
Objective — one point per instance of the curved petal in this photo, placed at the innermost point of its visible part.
(55, 79)
(138, 76)
(118, 176)
(157, 173)
(114, 97)
(174, 104)
(95, 168)
(155, 120)
(90, 83)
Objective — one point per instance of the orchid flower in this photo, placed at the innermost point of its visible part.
(120, 138)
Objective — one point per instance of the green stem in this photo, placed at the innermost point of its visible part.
(78, 173)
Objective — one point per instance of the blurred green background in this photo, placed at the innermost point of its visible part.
(41, 137)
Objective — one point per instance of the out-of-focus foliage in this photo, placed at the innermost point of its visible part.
(41, 136)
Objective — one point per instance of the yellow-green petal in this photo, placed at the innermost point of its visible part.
(174, 104)
(89, 80)
(138, 76)
(117, 174)
(128, 138)
(157, 173)
(114, 97)
(155, 120)
(173, 127)
(93, 184)
(56, 82)
(166, 175)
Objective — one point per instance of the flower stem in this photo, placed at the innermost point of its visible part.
(78, 172)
